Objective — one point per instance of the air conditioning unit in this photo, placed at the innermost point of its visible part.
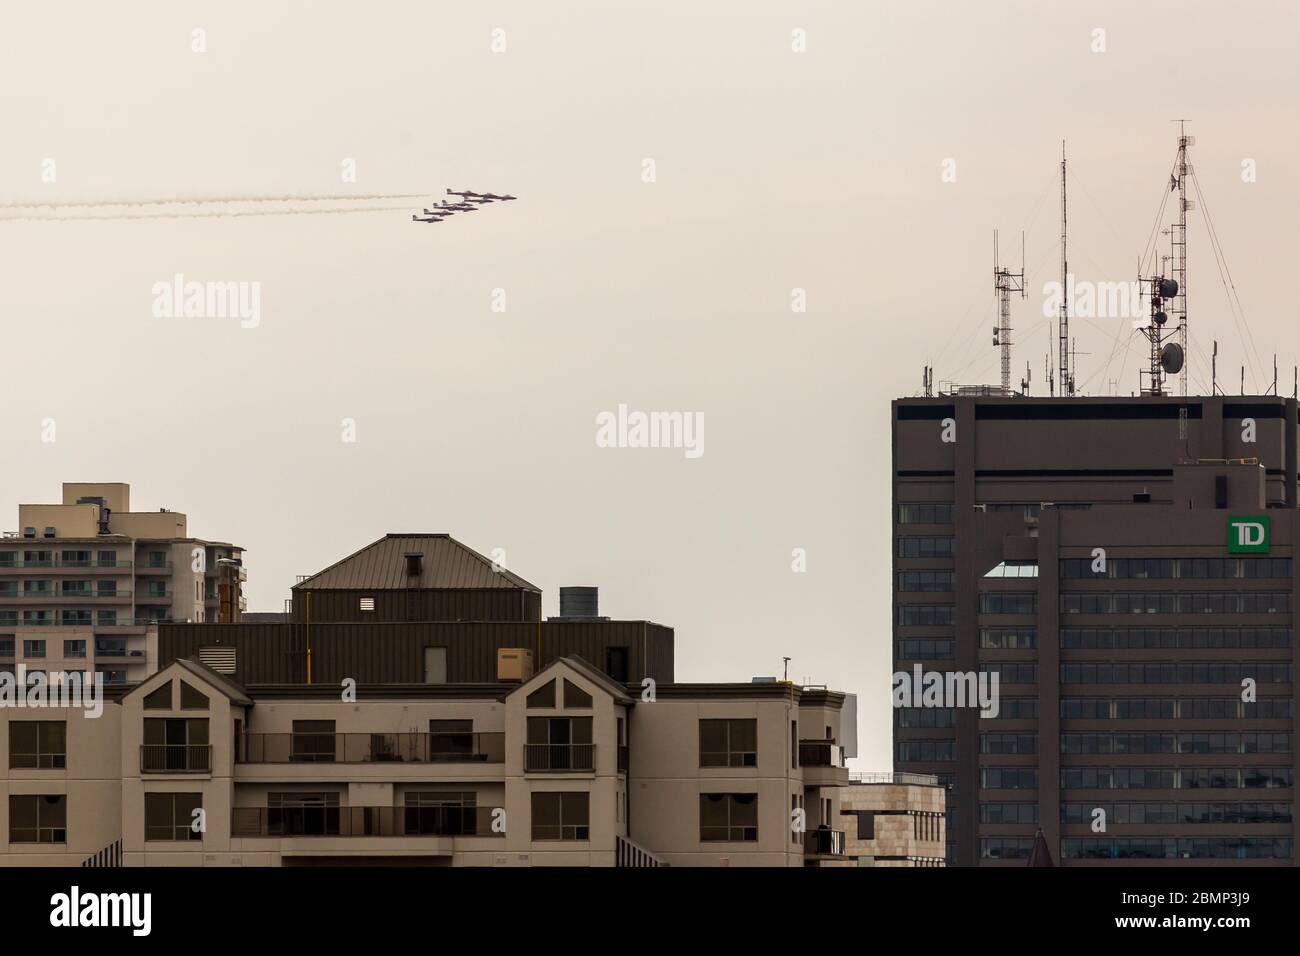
(514, 664)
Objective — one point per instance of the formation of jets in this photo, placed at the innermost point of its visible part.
(468, 202)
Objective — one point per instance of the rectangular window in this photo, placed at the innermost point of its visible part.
(33, 648)
(74, 648)
(561, 816)
(38, 744)
(171, 816)
(313, 741)
(38, 818)
(728, 817)
(366, 604)
(729, 742)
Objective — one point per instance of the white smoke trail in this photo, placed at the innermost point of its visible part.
(188, 200)
(200, 214)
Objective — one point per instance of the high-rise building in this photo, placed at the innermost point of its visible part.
(85, 583)
(1125, 567)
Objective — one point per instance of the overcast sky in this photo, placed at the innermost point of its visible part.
(774, 170)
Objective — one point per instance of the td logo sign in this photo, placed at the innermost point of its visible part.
(1248, 534)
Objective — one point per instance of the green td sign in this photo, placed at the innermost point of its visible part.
(1248, 534)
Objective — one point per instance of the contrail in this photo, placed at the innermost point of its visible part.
(188, 200)
(201, 214)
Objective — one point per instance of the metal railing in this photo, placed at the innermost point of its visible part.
(887, 776)
(559, 757)
(441, 821)
(824, 842)
(408, 747)
(820, 753)
(175, 758)
(62, 563)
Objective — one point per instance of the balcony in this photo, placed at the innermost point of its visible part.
(559, 758)
(824, 842)
(175, 758)
(446, 821)
(373, 748)
(60, 564)
(823, 764)
(154, 597)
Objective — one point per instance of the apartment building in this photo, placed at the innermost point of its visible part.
(567, 768)
(359, 750)
(85, 583)
(1125, 566)
(894, 819)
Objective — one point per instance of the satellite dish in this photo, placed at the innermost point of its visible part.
(1168, 288)
(1171, 358)
(1161, 318)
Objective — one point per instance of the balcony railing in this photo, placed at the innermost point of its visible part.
(824, 842)
(175, 758)
(372, 748)
(820, 753)
(559, 757)
(447, 821)
(65, 563)
(900, 777)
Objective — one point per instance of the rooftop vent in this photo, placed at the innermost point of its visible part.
(414, 564)
(579, 602)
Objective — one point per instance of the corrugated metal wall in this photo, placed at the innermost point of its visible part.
(376, 653)
(420, 604)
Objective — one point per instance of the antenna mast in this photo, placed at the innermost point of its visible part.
(1006, 282)
(1179, 240)
(1063, 346)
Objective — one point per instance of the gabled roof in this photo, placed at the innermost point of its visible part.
(597, 677)
(218, 682)
(447, 564)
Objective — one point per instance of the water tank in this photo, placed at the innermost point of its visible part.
(579, 602)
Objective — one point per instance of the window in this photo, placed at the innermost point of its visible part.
(575, 697)
(544, 696)
(616, 663)
(38, 818)
(106, 559)
(74, 648)
(450, 738)
(29, 532)
(192, 698)
(434, 813)
(106, 618)
(33, 648)
(176, 744)
(729, 743)
(157, 559)
(728, 817)
(559, 743)
(51, 533)
(38, 744)
(561, 816)
(313, 741)
(302, 814)
(366, 605)
(159, 699)
(171, 816)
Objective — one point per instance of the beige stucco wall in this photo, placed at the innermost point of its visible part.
(90, 782)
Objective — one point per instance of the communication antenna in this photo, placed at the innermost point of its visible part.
(1179, 238)
(1006, 282)
(1024, 382)
(1167, 358)
(1214, 369)
(1063, 348)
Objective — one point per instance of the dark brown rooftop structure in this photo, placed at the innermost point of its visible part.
(417, 608)
(1125, 567)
